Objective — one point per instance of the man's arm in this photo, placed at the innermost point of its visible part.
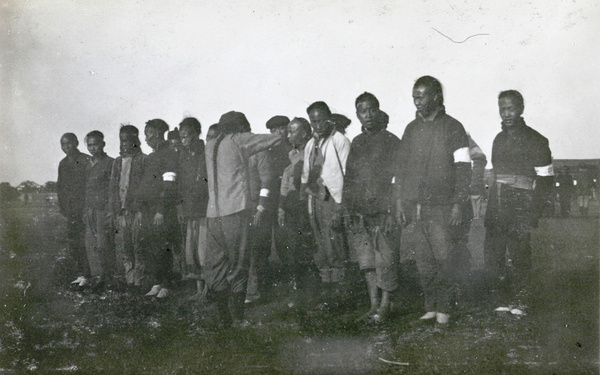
(251, 144)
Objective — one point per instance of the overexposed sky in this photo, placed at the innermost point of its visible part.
(77, 66)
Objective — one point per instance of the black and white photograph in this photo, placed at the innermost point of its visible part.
(299, 187)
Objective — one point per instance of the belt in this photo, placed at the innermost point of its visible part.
(515, 181)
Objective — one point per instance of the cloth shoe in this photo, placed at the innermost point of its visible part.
(164, 293)
(154, 291)
(442, 318)
(80, 280)
(429, 315)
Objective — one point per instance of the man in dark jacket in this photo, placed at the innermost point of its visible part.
(368, 199)
(523, 175)
(433, 180)
(193, 188)
(98, 233)
(155, 204)
(125, 179)
(70, 187)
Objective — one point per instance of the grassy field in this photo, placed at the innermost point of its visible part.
(45, 327)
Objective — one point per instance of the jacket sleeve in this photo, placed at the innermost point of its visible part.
(60, 189)
(459, 145)
(113, 187)
(342, 145)
(306, 164)
(169, 191)
(251, 144)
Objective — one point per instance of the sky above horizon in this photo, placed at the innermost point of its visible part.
(76, 66)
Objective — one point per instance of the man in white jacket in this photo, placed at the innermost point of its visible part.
(325, 158)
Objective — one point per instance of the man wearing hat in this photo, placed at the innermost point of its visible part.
(279, 156)
(229, 212)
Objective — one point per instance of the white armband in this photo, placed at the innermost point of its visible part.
(462, 155)
(264, 193)
(545, 171)
(170, 176)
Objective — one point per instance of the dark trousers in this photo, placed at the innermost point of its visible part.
(227, 258)
(157, 246)
(76, 245)
(259, 241)
(431, 238)
(99, 243)
(498, 242)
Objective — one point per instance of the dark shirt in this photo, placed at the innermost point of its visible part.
(70, 185)
(97, 181)
(193, 182)
(158, 189)
(279, 156)
(135, 177)
(369, 173)
(427, 172)
(520, 152)
(565, 183)
(261, 176)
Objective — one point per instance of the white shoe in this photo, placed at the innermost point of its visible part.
(154, 291)
(164, 292)
(443, 318)
(84, 281)
(429, 315)
(78, 280)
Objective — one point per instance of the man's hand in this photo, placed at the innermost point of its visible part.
(137, 220)
(257, 220)
(159, 219)
(388, 226)
(400, 215)
(455, 215)
(336, 217)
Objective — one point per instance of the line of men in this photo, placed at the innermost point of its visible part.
(320, 198)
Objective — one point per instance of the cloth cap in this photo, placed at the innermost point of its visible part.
(277, 121)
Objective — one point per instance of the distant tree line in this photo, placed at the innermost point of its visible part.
(10, 193)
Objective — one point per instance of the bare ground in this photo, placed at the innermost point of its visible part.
(45, 327)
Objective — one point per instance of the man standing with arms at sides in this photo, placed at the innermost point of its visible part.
(585, 184)
(156, 212)
(261, 178)
(434, 172)
(125, 179)
(193, 188)
(370, 204)
(279, 160)
(523, 174)
(70, 187)
(98, 230)
(564, 181)
(325, 158)
(230, 212)
(292, 213)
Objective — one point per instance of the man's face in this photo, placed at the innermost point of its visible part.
(319, 119)
(95, 146)
(187, 136)
(368, 114)
(282, 131)
(126, 141)
(295, 134)
(68, 145)
(152, 138)
(425, 100)
(510, 111)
